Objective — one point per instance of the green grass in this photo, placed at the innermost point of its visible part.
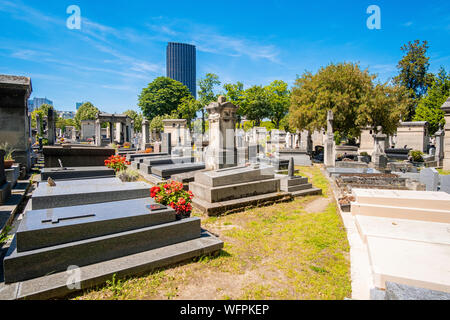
(275, 252)
(444, 172)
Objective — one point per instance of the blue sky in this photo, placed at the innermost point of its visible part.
(121, 45)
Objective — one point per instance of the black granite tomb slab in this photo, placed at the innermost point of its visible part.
(49, 227)
(76, 173)
(20, 266)
(166, 171)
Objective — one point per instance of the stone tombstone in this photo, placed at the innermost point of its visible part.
(51, 131)
(221, 152)
(166, 143)
(176, 127)
(38, 124)
(145, 134)
(366, 141)
(14, 125)
(379, 157)
(330, 145)
(439, 154)
(430, 178)
(2, 167)
(446, 146)
(413, 135)
(445, 183)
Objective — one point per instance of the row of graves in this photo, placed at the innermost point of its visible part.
(401, 214)
(83, 225)
(231, 173)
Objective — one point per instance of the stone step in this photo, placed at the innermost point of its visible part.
(307, 192)
(403, 198)
(168, 161)
(166, 171)
(145, 168)
(20, 266)
(412, 230)
(229, 176)
(55, 285)
(413, 263)
(235, 205)
(289, 182)
(298, 187)
(41, 228)
(234, 191)
(409, 213)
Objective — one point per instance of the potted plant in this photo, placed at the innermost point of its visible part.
(8, 158)
(173, 195)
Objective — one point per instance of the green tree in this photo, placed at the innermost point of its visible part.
(385, 107)
(137, 118)
(206, 93)
(188, 110)
(256, 105)
(156, 124)
(279, 101)
(162, 96)
(87, 111)
(429, 107)
(413, 72)
(341, 87)
(235, 94)
(43, 112)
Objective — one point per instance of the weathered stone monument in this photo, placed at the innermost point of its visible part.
(439, 144)
(5, 186)
(14, 123)
(145, 135)
(379, 157)
(177, 130)
(221, 152)
(330, 145)
(413, 135)
(297, 185)
(446, 108)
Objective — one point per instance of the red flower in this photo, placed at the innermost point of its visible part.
(181, 201)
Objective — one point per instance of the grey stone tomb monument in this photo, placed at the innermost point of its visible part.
(379, 157)
(221, 152)
(330, 145)
(5, 186)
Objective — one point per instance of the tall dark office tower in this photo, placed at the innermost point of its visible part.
(181, 64)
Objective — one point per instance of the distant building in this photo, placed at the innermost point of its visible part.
(181, 65)
(35, 103)
(66, 114)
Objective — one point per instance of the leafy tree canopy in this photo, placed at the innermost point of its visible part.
(207, 85)
(429, 107)
(188, 109)
(341, 87)
(137, 118)
(255, 105)
(161, 97)
(413, 72)
(87, 111)
(279, 101)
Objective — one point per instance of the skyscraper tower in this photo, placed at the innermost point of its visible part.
(181, 64)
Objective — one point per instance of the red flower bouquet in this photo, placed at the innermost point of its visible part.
(173, 195)
(117, 162)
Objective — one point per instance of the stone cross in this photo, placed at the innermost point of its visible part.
(379, 157)
(330, 119)
(55, 219)
(51, 127)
